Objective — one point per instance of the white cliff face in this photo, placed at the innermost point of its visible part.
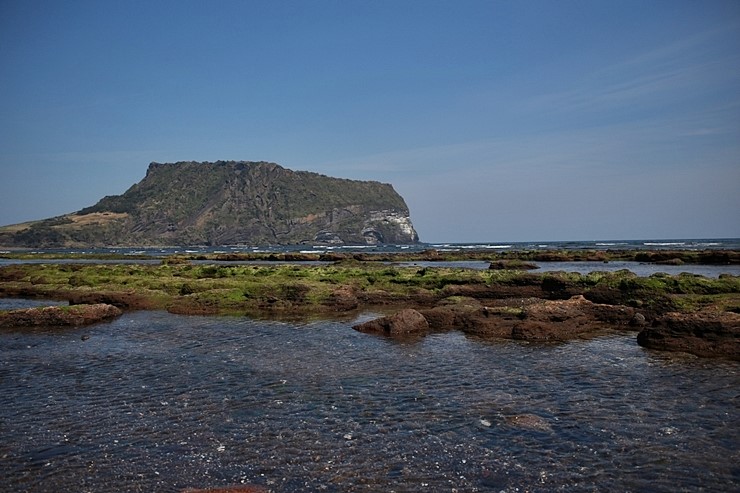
(403, 223)
(390, 220)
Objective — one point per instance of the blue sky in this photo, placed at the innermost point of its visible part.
(496, 120)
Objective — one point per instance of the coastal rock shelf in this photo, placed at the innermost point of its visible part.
(493, 303)
(703, 334)
(532, 320)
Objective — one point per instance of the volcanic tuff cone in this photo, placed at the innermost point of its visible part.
(228, 202)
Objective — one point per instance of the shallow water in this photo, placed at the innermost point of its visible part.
(641, 269)
(158, 402)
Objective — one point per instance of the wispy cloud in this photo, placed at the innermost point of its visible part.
(687, 68)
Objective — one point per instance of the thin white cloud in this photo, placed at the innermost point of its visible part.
(685, 68)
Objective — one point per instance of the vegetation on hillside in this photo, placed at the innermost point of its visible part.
(190, 203)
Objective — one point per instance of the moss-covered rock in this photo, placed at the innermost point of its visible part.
(58, 315)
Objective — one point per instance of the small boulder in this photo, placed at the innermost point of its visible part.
(407, 321)
(529, 422)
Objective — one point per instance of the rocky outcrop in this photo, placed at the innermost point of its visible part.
(526, 319)
(568, 319)
(505, 264)
(58, 316)
(124, 301)
(250, 203)
(343, 299)
(405, 322)
(707, 334)
(471, 317)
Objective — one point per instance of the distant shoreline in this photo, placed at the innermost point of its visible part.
(508, 259)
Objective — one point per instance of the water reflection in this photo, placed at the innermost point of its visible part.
(156, 402)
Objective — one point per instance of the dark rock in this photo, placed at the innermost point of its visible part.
(563, 320)
(58, 315)
(512, 265)
(719, 257)
(551, 257)
(706, 334)
(473, 319)
(407, 321)
(343, 299)
(124, 301)
(333, 257)
(671, 261)
(638, 320)
(529, 422)
(606, 295)
(440, 318)
(242, 488)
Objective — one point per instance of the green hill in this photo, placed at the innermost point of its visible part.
(228, 203)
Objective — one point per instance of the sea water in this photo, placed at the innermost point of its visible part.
(677, 244)
(160, 402)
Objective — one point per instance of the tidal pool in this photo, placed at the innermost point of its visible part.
(159, 402)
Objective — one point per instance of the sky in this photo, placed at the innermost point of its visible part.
(497, 121)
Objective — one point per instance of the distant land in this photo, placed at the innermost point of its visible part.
(228, 203)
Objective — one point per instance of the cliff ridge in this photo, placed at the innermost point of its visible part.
(228, 203)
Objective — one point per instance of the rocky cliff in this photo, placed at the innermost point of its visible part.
(250, 203)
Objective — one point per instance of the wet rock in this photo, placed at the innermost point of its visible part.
(671, 261)
(706, 334)
(124, 301)
(473, 319)
(512, 265)
(719, 257)
(530, 319)
(244, 488)
(468, 315)
(568, 319)
(407, 321)
(638, 320)
(441, 318)
(58, 315)
(343, 299)
(529, 422)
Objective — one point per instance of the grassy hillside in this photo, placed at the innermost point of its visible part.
(230, 202)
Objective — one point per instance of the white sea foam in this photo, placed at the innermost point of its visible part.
(485, 247)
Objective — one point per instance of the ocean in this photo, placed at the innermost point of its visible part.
(676, 244)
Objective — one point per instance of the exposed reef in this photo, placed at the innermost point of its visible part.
(706, 333)
(684, 312)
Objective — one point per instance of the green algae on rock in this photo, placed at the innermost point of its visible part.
(49, 316)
